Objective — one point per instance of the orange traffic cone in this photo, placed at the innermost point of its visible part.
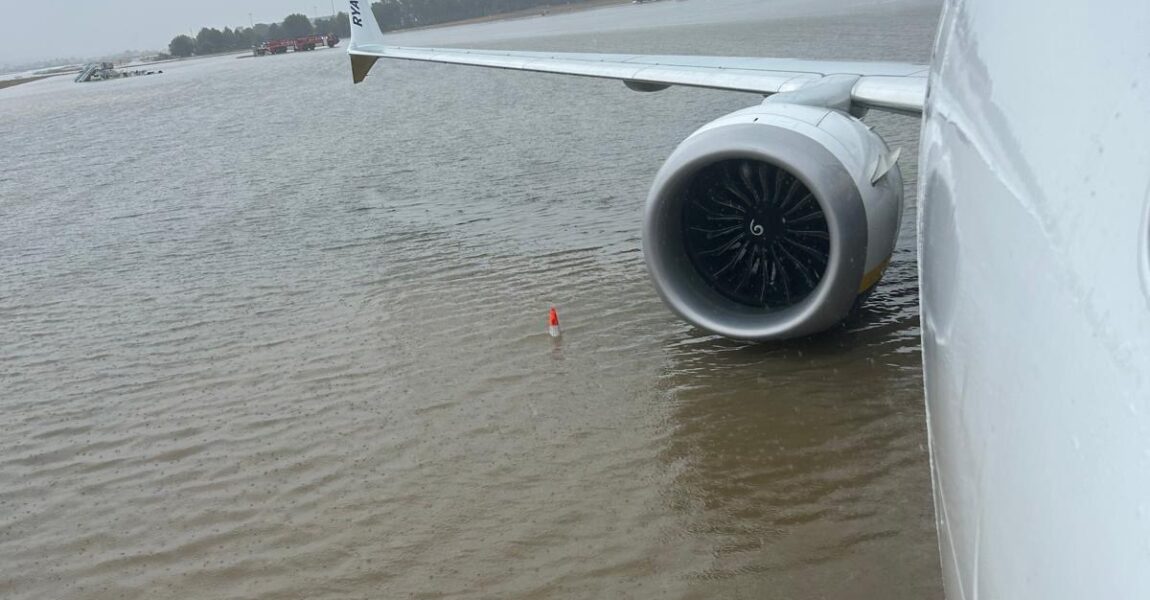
(553, 323)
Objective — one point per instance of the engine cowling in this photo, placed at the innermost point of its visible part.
(773, 222)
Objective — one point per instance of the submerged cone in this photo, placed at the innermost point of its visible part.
(553, 323)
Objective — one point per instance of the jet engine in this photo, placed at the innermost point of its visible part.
(773, 222)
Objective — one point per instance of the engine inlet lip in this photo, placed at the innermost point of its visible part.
(829, 182)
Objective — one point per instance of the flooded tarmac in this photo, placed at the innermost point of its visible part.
(267, 335)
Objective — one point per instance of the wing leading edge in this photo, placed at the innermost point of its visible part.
(892, 87)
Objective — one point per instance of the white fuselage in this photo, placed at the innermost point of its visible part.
(1034, 199)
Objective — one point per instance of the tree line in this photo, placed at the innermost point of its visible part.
(390, 14)
(405, 14)
(212, 40)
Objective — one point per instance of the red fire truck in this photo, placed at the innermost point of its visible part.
(302, 44)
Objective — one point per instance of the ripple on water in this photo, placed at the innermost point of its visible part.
(268, 335)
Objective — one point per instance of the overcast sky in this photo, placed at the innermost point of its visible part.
(39, 29)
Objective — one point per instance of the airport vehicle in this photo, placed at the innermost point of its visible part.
(301, 44)
(1034, 248)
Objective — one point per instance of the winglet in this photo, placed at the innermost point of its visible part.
(365, 33)
(360, 65)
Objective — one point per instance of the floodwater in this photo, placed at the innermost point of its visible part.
(264, 334)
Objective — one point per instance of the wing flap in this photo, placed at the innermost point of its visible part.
(904, 95)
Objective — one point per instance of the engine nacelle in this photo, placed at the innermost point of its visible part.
(773, 222)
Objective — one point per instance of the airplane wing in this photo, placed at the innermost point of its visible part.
(892, 87)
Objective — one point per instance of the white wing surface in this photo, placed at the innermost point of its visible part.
(894, 87)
